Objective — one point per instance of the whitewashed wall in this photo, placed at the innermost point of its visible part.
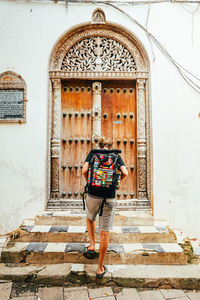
(28, 32)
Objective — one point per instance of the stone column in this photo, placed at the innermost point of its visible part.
(55, 138)
(96, 111)
(141, 141)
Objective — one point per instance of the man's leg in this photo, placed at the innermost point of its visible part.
(91, 233)
(104, 239)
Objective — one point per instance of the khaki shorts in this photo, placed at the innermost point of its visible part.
(93, 205)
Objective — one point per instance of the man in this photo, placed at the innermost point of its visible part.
(93, 204)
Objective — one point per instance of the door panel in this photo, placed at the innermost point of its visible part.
(76, 134)
(119, 105)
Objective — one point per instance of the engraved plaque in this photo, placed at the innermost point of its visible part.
(11, 104)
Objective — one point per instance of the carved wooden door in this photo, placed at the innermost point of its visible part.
(76, 135)
(118, 109)
(118, 121)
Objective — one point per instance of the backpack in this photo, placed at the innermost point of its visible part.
(102, 173)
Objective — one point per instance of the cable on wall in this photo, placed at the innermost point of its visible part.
(186, 75)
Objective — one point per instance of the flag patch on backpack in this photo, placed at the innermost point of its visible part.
(103, 172)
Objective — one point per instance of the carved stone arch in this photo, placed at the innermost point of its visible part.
(126, 40)
(108, 30)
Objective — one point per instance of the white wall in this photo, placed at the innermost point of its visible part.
(28, 31)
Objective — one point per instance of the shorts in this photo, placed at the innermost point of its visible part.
(93, 205)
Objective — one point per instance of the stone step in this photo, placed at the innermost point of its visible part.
(78, 218)
(119, 234)
(135, 253)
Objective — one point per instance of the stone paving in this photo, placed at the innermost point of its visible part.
(19, 291)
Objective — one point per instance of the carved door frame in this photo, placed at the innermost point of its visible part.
(140, 74)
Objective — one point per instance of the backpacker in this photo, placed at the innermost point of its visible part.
(102, 173)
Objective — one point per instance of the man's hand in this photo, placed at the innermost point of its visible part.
(124, 171)
(85, 170)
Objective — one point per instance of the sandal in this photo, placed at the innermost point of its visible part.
(90, 254)
(103, 273)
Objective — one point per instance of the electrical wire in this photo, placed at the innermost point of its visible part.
(183, 71)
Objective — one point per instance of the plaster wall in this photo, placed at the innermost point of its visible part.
(28, 32)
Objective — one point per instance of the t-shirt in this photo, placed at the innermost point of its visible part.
(108, 194)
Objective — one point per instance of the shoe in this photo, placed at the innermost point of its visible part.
(90, 254)
(103, 273)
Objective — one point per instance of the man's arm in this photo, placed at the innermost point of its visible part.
(85, 169)
(124, 172)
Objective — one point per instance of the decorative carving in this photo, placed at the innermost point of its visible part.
(142, 195)
(98, 54)
(98, 16)
(55, 175)
(55, 141)
(96, 111)
(141, 108)
(11, 81)
(72, 37)
(96, 88)
(142, 173)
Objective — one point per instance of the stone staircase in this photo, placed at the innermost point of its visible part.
(60, 236)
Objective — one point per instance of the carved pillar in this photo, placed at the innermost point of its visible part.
(96, 111)
(141, 141)
(55, 138)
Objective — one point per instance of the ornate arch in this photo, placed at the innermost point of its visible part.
(69, 60)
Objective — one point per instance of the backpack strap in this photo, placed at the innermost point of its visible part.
(85, 192)
(101, 208)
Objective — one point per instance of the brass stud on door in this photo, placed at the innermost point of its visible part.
(70, 141)
(125, 194)
(131, 115)
(76, 167)
(81, 193)
(64, 141)
(76, 140)
(125, 116)
(82, 114)
(118, 142)
(70, 114)
(131, 141)
(88, 141)
(132, 194)
(75, 194)
(64, 167)
(118, 115)
(69, 194)
(132, 168)
(125, 142)
(63, 194)
(118, 194)
(64, 115)
(105, 116)
(76, 114)
(82, 140)
(88, 114)
(70, 167)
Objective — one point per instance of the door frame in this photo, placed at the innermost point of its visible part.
(141, 75)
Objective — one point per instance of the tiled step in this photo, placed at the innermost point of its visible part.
(119, 234)
(78, 218)
(135, 253)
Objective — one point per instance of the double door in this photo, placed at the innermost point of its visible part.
(118, 121)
